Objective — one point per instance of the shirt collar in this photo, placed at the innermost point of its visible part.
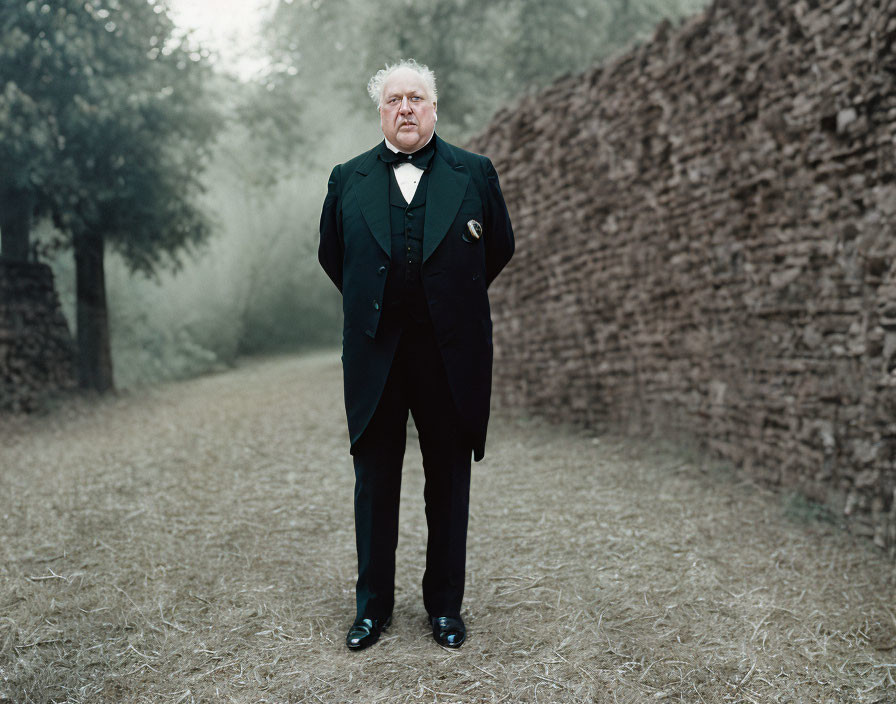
(393, 148)
(421, 159)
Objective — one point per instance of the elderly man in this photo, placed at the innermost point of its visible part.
(412, 233)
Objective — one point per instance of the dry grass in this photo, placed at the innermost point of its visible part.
(196, 545)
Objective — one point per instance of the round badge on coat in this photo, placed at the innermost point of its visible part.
(473, 232)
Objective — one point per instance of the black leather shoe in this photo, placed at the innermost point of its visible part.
(365, 632)
(449, 632)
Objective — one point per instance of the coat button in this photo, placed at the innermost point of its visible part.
(376, 305)
(381, 270)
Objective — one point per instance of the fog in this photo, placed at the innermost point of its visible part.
(288, 87)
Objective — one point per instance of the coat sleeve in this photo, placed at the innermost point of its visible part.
(498, 235)
(331, 251)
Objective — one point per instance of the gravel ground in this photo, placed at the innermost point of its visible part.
(194, 543)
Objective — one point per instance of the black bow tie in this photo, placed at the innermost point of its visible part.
(419, 158)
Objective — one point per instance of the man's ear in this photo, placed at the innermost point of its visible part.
(435, 112)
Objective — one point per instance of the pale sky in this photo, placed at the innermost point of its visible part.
(228, 27)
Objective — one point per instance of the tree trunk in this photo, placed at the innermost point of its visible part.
(94, 355)
(15, 224)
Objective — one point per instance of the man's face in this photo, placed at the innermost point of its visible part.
(408, 114)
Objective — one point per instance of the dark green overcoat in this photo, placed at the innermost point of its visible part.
(355, 248)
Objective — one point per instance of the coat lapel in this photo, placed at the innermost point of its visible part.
(447, 185)
(373, 197)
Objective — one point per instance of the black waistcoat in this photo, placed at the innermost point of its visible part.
(404, 299)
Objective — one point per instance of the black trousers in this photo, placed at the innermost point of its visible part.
(417, 384)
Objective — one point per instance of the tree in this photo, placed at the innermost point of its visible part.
(103, 128)
(484, 54)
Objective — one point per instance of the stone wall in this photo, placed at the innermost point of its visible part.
(705, 245)
(36, 349)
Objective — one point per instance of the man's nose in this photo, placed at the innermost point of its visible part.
(405, 104)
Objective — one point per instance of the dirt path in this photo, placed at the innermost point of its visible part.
(196, 545)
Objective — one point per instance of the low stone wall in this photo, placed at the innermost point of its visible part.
(706, 244)
(36, 350)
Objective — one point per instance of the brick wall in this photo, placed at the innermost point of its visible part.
(36, 350)
(706, 231)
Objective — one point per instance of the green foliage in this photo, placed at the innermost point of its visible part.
(310, 109)
(102, 120)
(484, 53)
(254, 287)
(113, 130)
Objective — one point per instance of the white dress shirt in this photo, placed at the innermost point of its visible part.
(407, 175)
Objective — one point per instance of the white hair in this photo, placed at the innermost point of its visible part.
(377, 83)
